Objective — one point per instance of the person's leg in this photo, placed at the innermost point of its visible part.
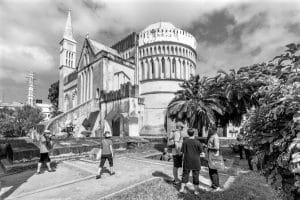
(213, 173)
(176, 165)
(48, 161)
(102, 162)
(248, 157)
(175, 174)
(210, 172)
(241, 151)
(196, 180)
(185, 179)
(39, 166)
(111, 165)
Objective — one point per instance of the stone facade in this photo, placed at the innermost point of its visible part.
(129, 84)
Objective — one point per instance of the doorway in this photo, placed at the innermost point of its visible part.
(116, 127)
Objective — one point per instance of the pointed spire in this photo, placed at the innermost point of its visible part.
(68, 34)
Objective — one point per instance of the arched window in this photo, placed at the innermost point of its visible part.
(163, 49)
(173, 65)
(152, 68)
(159, 49)
(97, 93)
(163, 68)
(143, 71)
(172, 50)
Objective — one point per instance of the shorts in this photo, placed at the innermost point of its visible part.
(177, 161)
(109, 158)
(44, 157)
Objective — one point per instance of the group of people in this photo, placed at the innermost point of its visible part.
(186, 151)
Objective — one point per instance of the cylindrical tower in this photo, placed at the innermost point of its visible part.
(167, 56)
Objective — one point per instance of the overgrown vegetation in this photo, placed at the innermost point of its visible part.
(267, 93)
(18, 122)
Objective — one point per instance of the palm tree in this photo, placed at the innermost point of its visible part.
(196, 104)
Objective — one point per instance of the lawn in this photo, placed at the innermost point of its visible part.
(250, 186)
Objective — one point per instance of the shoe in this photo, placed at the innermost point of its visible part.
(217, 189)
(51, 170)
(175, 182)
(98, 176)
(37, 173)
(112, 173)
(183, 191)
(196, 192)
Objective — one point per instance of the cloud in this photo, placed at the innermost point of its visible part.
(230, 33)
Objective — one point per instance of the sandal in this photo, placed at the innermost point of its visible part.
(98, 176)
(112, 173)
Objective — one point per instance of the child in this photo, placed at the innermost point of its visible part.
(106, 152)
(166, 155)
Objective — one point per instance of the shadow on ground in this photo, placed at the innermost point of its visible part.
(9, 185)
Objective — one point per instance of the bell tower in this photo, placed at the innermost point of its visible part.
(67, 53)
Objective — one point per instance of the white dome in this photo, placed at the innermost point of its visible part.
(160, 25)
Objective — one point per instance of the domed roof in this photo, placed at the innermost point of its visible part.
(160, 25)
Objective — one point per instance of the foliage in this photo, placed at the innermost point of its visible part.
(53, 97)
(217, 101)
(196, 104)
(6, 122)
(267, 93)
(16, 123)
(270, 128)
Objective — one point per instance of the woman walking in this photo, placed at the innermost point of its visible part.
(191, 149)
(213, 149)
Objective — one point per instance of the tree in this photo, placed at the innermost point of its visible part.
(26, 118)
(53, 97)
(6, 122)
(196, 104)
(271, 127)
(18, 122)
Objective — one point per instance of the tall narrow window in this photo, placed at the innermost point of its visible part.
(143, 71)
(163, 70)
(173, 65)
(152, 68)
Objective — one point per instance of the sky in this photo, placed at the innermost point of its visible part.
(230, 33)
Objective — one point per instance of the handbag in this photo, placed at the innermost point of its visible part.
(215, 161)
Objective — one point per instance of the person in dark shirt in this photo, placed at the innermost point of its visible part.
(191, 149)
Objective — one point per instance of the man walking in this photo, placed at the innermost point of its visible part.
(191, 150)
(45, 146)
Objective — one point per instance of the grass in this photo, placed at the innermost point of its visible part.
(250, 186)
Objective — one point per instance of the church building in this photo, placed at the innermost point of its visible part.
(127, 87)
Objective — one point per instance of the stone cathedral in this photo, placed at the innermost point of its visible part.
(127, 87)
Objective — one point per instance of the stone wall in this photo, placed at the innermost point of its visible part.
(74, 116)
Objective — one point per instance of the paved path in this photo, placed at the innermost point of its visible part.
(75, 179)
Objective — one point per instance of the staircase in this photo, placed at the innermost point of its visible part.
(75, 116)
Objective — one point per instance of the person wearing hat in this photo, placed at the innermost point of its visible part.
(105, 152)
(45, 144)
(177, 136)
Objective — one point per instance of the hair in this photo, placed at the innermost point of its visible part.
(211, 132)
(190, 132)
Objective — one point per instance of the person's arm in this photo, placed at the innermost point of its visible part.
(111, 150)
(99, 152)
